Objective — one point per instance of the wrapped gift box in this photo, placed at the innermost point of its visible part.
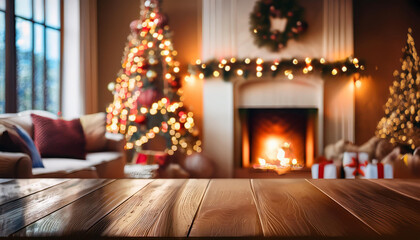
(377, 170)
(150, 157)
(325, 170)
(354, 163)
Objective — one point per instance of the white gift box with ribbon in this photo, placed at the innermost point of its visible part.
(354, 163)
(377, 170)
(324, 170)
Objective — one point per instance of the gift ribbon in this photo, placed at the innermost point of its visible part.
(359, 169)
(322, 167)
(353, 164)
(356, 165)
(380, 170)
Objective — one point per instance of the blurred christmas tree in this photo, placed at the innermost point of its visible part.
(401, 124)
(147, 92)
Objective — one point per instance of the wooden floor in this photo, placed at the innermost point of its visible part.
(217, 207)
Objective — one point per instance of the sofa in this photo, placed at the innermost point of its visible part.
(105, 156)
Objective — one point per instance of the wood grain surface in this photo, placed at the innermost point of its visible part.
(77, 217)
(15, 189)
(282, 208)
(138, 214)
(293, 207)
(228, 209)
(386, 211)
(408, 187)
(176, 219)
(24, 211)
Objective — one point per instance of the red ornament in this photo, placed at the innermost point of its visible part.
(272, 9)
(140, 119)
(147, 97)
(164, 126)
(174, 84)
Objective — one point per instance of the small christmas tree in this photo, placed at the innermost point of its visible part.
(401, 124)
(147, 92)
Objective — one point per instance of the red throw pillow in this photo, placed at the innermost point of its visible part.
(59, 138)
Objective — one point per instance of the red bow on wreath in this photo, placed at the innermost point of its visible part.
(356, 164)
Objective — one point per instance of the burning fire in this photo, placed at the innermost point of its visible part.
(278, 156)
(261, 161)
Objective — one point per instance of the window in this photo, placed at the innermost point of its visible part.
(35, 49)
(2, 56)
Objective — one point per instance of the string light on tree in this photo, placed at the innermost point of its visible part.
(401, 123)
(147, 92)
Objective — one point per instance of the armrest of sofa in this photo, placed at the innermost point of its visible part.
(115, 143)
(15, 165)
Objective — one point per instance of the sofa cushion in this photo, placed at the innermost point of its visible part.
(10, 141)
(57, 138)
(24, 120)
(94, 129)
(62, 165)
(97, 158)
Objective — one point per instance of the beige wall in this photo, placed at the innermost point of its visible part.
(113, 28)
(114, 17)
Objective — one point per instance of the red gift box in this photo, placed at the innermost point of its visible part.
(147, 157)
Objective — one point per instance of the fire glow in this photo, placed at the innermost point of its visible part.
(278, 156)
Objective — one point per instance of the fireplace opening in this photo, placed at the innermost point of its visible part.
(278, 139)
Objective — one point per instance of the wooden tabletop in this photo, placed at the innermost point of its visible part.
(203, 207)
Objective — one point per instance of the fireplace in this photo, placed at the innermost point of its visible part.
(330, 36)
(280, 139)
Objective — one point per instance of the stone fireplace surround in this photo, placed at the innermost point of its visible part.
(225, 34)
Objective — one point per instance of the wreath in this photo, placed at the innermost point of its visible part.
(274, 22)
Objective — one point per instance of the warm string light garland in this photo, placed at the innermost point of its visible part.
(228, 68)
(147, 92)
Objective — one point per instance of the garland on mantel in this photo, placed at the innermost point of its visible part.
(228, 68)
